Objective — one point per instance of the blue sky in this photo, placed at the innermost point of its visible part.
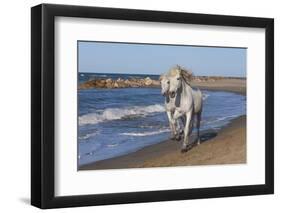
(105, 57)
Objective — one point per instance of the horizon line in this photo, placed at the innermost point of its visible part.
(159, 74)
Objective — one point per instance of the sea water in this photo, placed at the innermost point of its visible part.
(114, 122)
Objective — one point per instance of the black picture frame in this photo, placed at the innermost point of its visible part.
(43, 102)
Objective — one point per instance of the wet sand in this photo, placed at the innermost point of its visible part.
(227, 146)
(228, 85)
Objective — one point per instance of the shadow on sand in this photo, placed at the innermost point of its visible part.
(204, 137)
(207, 136)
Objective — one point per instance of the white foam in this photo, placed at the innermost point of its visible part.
(205, 96)
(225, 118)
(217, 120)
(141, 134)
(119, 113)
(88, 135)
(112, 145)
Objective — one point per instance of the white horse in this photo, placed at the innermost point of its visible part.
(188, 102)
(170, 107)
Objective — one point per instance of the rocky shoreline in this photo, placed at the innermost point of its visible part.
(119, 83)
(143, 82)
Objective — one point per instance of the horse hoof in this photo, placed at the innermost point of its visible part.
(183, 150)
(178, 137)
(198, 143)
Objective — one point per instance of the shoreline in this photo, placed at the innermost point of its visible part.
(226, 146)
(214, 149)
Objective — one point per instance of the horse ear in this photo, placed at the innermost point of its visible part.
(161, 77)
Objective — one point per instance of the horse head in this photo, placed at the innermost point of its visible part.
(177, 76)
(165, 84)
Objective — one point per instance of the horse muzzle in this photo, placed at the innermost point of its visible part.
(164, 93)
(172, 94)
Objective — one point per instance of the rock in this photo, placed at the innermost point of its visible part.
(155, 83)
(147, 81)
(127, 82)
(119, 83)
(109, 85)
(100, 83)
(115, 85)
(108, 81)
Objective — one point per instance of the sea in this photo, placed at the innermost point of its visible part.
(115, 122)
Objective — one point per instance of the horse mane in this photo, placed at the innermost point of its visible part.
(186, 74)
(173, 72)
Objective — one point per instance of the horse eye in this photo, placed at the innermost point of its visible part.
(178, 79)
(168, 82)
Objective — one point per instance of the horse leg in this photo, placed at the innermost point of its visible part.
(198, 127)
(172, 127)
(175, 121)
(183, 125)
(191, 123)
(186, 131)
(178, 130)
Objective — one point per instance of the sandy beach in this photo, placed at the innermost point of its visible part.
(227, 146)
(229, 85)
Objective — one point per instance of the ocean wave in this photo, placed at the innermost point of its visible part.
(119, 113)
(141, 134)
(112, 145)
(220, 119)
(84, 137)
